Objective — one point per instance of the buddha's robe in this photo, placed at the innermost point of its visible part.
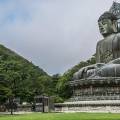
(108, 49)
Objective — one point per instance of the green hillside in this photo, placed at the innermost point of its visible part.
(21, 78)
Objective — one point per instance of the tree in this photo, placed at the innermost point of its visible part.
(11, 105)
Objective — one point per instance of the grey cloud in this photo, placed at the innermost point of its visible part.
(57, 34)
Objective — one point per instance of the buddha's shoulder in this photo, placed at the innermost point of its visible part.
(115, 36)
(109, 38)
(100, 42)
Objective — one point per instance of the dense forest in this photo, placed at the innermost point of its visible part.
(20, 78)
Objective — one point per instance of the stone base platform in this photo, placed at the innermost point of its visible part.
(107, 106)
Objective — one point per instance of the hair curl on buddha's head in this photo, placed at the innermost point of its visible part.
(107, 15)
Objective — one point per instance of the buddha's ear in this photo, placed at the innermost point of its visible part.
(115, 26)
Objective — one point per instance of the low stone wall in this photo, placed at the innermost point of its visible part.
(106, 109)
(26, 108)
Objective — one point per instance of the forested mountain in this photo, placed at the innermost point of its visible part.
(21, 78)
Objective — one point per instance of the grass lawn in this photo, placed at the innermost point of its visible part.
(62, 116)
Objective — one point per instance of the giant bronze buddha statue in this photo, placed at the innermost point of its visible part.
(107, 51)
(101, 81)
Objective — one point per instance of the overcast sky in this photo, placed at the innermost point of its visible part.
(53, 34)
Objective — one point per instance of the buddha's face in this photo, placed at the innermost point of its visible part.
(106, 27)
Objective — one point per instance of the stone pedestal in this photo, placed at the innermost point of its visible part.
(107, 106)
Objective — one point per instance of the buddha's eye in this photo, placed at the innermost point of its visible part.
(104, 22)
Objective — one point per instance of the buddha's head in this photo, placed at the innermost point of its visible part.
(107, 24)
